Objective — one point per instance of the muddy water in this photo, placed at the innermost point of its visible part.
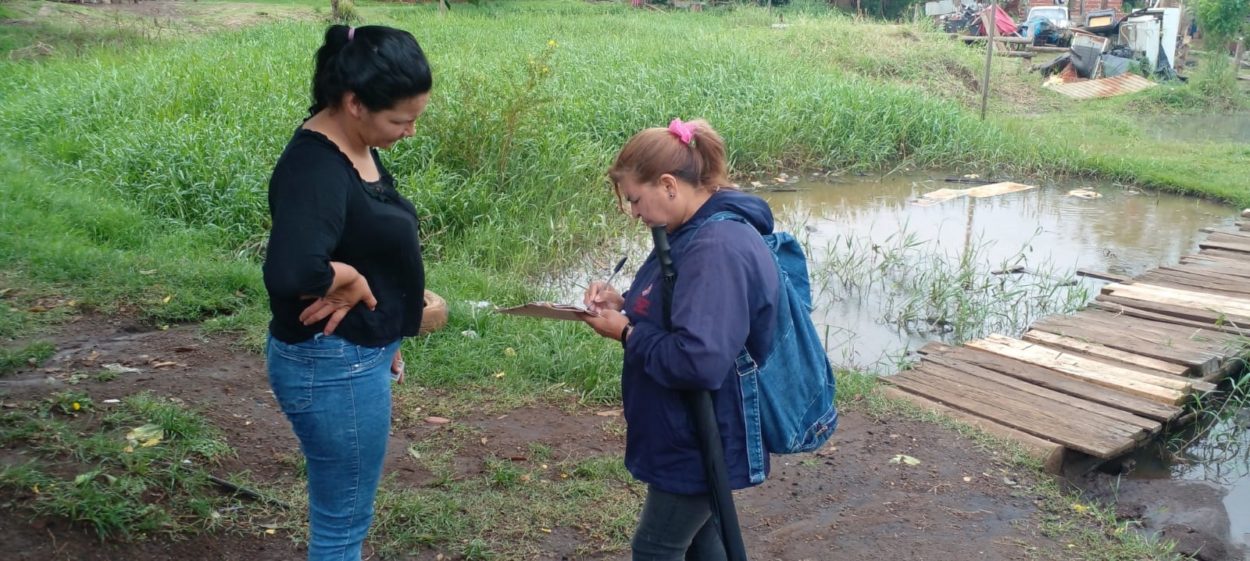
(891, 275)
(1200, 128)
(1217, 453)
(856, 228)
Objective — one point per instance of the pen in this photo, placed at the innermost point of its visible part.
(616, 270)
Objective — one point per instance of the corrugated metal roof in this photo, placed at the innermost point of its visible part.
(1104, 87)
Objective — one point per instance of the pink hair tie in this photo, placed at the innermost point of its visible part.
(351, 33)
(683, 131)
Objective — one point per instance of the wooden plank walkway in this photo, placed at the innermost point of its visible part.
(1107, 378)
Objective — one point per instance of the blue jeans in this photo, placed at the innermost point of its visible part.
(678, 528)
(337, 396)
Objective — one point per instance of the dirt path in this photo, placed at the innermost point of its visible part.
(846, 502)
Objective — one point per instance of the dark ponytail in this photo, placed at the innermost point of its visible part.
(381, 65)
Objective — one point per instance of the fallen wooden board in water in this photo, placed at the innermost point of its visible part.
(991, 190)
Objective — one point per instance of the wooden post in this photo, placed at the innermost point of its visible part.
(989, 54)
(1238, 54)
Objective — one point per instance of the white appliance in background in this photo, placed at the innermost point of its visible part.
(1168, 32)
(1141, 33)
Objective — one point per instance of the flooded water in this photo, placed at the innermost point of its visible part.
(1216, 452)
(1200, 128)
(890, 274)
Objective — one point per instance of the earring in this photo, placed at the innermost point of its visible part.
(672, 195)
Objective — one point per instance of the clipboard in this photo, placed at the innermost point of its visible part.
(548, 310)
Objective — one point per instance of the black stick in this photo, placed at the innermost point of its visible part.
(246, 492)
(706, 429)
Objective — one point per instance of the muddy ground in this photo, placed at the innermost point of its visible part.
(846, 502)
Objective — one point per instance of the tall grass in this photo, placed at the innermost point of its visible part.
(506, 170)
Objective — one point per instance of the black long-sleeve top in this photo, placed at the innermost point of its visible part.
(323, 211)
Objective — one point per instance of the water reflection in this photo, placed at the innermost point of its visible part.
(879, 255)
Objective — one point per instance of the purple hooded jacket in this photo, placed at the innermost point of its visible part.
(725, 298)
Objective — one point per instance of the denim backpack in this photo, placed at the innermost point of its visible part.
(788, 396)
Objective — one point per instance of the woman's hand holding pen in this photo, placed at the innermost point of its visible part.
(601, 296)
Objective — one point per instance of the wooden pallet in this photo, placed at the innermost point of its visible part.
(1107, 378)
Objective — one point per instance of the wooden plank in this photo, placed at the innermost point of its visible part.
(957, 357)
(1206, 317)
(1102, 351)
(1224, 267)
(1198, 273)
(1136, 338)
(1167, 332)
(1097, 412)
(1106, 327)
(1150, 387)
(1058, 356)
(1190, 286)
(1100, 275)
(1229, 235)
(1229, 259)
(1177, 297)
(1085, 423)
(1039, 423)
(1232, 256)
(1050, 454)
(1107, 355)
(1226, 246)
(1195, 282)
(1168, 314)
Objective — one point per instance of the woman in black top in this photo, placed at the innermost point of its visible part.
(344, 274)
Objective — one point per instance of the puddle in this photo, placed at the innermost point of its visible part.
(1199, 128)
(891, 276)
(1221, 456)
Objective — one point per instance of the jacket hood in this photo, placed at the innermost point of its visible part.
(754, 209)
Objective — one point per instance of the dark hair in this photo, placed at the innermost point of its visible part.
(656, 151)
(381, 65)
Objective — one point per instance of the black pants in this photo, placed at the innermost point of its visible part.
(678, 528)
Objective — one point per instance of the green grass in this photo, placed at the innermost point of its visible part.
(508, 511)
(25, 357)
(1110, 138)
(87, 469)
(84, 244)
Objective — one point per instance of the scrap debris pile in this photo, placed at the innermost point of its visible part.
(1108, 53)
(1145, 42)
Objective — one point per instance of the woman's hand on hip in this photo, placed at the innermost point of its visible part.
(601, 296)
(397, 367)
(609, 323)
(338, 302)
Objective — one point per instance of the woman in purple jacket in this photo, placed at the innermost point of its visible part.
(724, 299)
